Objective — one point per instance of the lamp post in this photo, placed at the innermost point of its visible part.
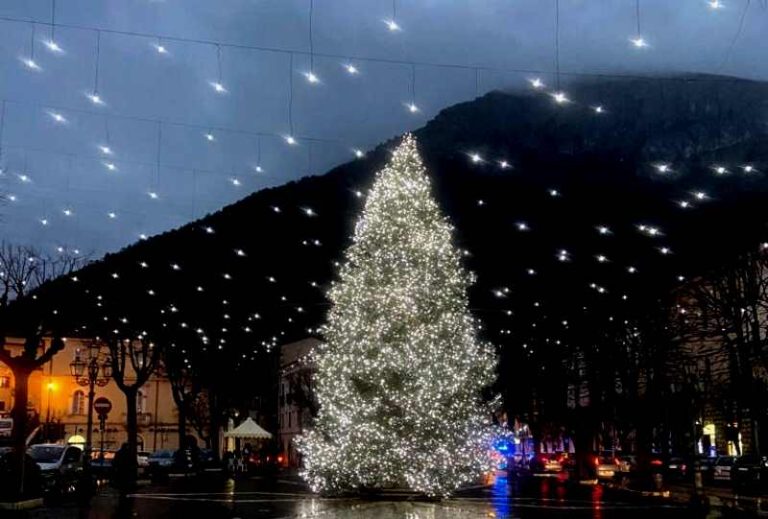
(695, 385)
(51, 387)
(95, 371)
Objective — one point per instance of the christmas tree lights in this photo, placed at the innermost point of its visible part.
(400, 374)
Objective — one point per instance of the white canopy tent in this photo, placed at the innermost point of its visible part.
(248, 430)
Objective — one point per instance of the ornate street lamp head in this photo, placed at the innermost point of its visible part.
(77, 367)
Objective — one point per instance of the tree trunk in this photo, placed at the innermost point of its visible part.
(213, 424)
(182, 425)
(131, 469)
(20, 401)
(19, 415)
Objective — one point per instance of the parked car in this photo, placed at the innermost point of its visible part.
(677, 468)
(160, 463)
(60, 467)
(208, 460)
(627, 463)
(750, 472)
(545, 464)
(722, 469)
(102, 467)
(606, 465)
(8, 465)
(706, 466)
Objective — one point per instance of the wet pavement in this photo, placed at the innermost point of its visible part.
(288, 498)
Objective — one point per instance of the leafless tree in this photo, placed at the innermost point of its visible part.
(22, 270)
(133, 362)
(185, 388)
(730, 307)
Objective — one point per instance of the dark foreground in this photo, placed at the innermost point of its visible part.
(288, 498)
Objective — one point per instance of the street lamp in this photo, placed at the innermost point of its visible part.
(95, 371)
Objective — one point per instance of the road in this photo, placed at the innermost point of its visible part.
(287, 498)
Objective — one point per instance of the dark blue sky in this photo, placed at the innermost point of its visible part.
(62, 189)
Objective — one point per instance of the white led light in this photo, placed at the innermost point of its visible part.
(43, 221)
(153, 195)
(748, 168)
(53, 46)
(218, 87)
(716, 4)
(110, 166)
(536, 83)
(161, 49)
(599, 109)
(475, 158)
(311, 77)
(351, 69)
(31, 64)
(392, 25)
(720, 170)
(95, 98)
(412, 107)
(639, 42)
(602, 229)
(700, 195)
(684, 204)
(662, 168)
(25, 178)
(522, 226)
(11, 198)
(259, 169)
(503, 164)
(106, 150)
(56, 116)
(209, 137)
(359, 154)
(560, 98)
(67, 212)
(112, 215)
(554, 192)
(290, 139)
(234, 181)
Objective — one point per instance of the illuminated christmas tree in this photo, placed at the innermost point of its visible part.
(400, 374)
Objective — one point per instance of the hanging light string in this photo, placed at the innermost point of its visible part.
(166, 122)
(90, 158)
(413, 107)
(311, 41)
(96, 73)
(557, 44)
(290, 95)
(735, 38)
(346, 57)
(637, 17)
(32, 46)
(53, 22)
(259, 169)
(2, 128)
(159, 151)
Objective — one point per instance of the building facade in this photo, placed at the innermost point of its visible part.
(295, 400)
(60, 405)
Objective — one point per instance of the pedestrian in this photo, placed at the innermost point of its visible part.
(120, 468)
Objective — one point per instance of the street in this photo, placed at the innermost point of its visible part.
(288, 498)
